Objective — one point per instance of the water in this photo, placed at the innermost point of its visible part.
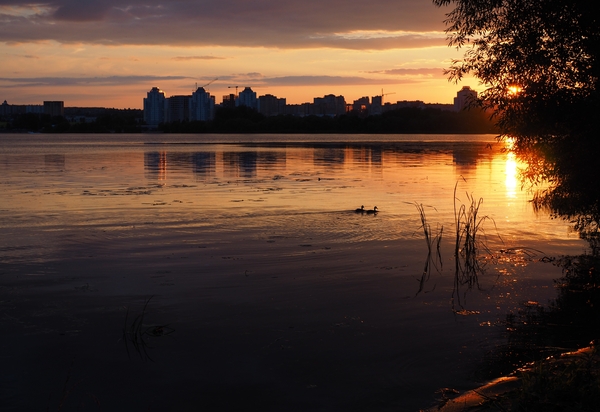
(278, 295)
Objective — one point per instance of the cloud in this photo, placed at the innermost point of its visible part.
(84, 81)
(245, 79)
(432, 72)
(348, 24)
(186, 58)
(323, 81)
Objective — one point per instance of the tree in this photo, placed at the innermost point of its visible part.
(539, 61)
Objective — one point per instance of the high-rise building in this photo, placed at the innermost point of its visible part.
(464, 98)
(361, 105)
(329, 105)
(229, 101)
(155, 107)
(178, 109)
(202, 105)
(54, 108)
(376, 105)
(270, 105)
(247, 98)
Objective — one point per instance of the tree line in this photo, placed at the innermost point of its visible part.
(246, 120)
(405, 120)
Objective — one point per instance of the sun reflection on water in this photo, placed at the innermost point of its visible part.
(512, 178)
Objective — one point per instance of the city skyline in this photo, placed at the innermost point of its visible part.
(90, 54)
(385, 99)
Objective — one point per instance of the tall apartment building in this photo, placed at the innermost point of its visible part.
(202, 105)
(247, 98)
(376, 105)
(329, 105)
(178, 109)
(270, 105)
(229, 101)
(155, 107)
(361, 105)
(54, 108)
(464, 98)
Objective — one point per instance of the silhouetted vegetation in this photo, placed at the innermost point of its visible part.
(569, 322)
(82, 120)
(539, 60)
(406, 120)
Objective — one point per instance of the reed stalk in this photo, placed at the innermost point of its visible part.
(434, 257)
(470, 242)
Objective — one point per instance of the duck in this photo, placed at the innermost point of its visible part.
(372, 211)
(360, 209)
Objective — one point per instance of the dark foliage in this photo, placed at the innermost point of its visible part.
(106, 121)
(407, 120)
(538, 60)
(569, 322)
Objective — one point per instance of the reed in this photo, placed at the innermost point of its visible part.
(470, 243)
(138, 334)
(433, 241)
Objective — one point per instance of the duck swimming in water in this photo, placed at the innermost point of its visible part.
(360, 209)
(372, 211)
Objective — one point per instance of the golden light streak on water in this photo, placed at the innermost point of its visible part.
(512, 180)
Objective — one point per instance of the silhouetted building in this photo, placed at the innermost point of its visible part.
(441, 106)
(465, 97)
(361, 105)
(178, 109)
(5, 109)
(299, 110)
(229, 101)
(247, 98)
(54, 108)
(401, 104)
(329, 105)
(376, 105)
(36, 108)
(155, 105)
(202, 105)
(270, 105)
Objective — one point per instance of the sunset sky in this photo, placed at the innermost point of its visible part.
(111, 53)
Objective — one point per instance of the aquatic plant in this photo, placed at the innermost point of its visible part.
(433, 259)
(137, 333)
(470, 242)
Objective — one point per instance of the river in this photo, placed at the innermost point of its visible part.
(229, 272)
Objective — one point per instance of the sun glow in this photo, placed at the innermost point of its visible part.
(514, 89)
(512, 178)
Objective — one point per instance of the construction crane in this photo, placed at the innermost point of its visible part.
(384, 94)
(245, 87)
(211, 82)
(207, 84)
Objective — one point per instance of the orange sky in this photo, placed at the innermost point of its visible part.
(112, 53)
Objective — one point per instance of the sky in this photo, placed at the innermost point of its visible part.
(110, 53)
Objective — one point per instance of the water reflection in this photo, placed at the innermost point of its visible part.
(205, 164)
(570, 171)
(54, 162)
(329, 158)
(246, 163)
(155, 164)
(240, 164)
(512, 178)
(258, 247)
(564, 176)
